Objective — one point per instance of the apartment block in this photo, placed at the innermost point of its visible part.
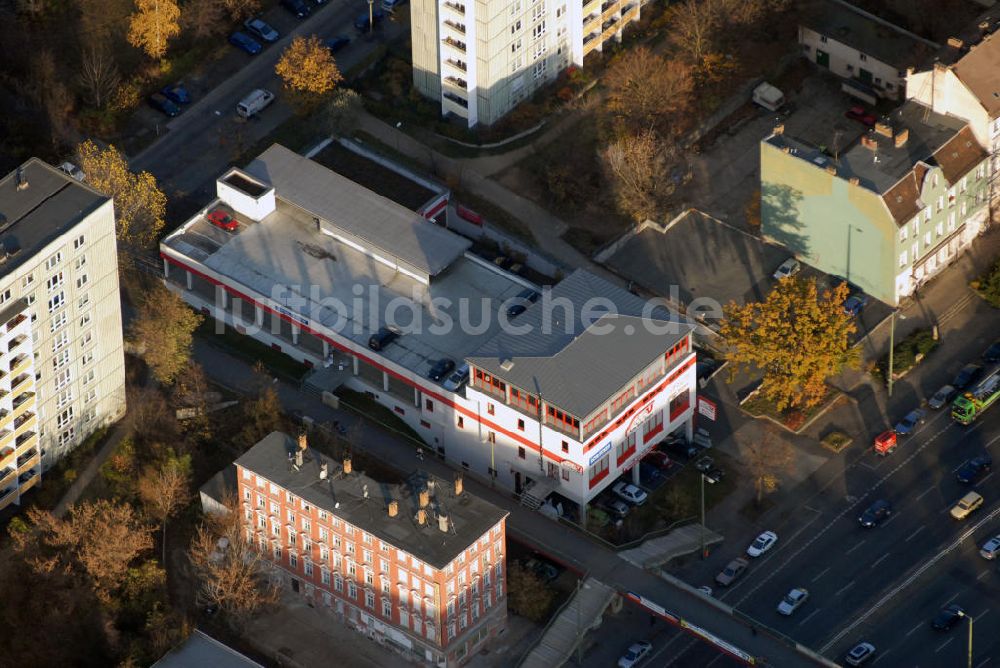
(480, 58)
(59, 295)
(419, 565)
(20, 454)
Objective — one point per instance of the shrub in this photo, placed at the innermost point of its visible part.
(988, 285)
(907, 353)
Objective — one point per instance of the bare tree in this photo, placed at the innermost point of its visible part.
(98, 75)
(231, 572)
(647, 91)
(766, 459)
(639, 171)
(204, 18)
(695, 27)
(241, 9)
(164, 490)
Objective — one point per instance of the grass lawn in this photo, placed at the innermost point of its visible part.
(252, 350)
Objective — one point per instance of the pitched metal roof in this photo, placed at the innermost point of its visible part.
(580, 343)
(373, 221)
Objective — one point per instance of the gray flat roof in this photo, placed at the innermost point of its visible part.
(321, 272)
(201, 651)
(345, 497)
(376, 221)
(878, 170)
(31, 217)
(576, 362)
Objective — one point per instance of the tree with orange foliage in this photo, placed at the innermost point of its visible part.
(647, 91)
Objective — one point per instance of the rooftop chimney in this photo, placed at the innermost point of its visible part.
(424, 498)
(347, 465)
(901, 137)
(22, 180)
(779, 129)
(443, 523)
(303, 441)
(854, 180)
(393, 508)
(830, 169)
(786, 149)
(298, 459)
(323, 471)
(869, 143)
(955, 43)
(883, 129)
(458, 485)
(421, 517)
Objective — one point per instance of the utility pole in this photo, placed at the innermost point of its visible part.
(371, 22)
(892, 344)
(702, 530)
(970, 640)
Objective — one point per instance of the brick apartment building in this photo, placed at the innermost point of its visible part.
(419, 566)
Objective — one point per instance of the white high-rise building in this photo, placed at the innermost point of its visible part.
(481, 58)
(61, 355)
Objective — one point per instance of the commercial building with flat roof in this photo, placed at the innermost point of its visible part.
(573, 371)
(421, 566)
(58, 257)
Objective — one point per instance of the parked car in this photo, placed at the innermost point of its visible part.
(875, 514)
(177, 93)
(992, 354)
(298, 8)
(634, 654)
(391, 5)
(441, 368)
(680, 447)
(949, 615)
(858, 113)
(160, 102)
(732, 571)
(258, 27)
(457, 378)
(649, 475)
(793, 601)
(73, 171)
(990, 548)
(629, 492)
(705, 589)
(969, 374)
(974, 469)
(223, 220)
(942, 397)
(335, 44)
(521, 302)
(787, 269)
(361, 22)
(855, 303)
(966, 505)
(660, 460)
(762, 544)
(859, 654)
(885, 443)
(383, 337)
(617, 508)
(910, 421)
(243, 41)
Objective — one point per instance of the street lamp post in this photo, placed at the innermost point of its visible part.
(701, 531)
(970, 640)
(371, 22)
(892, 344)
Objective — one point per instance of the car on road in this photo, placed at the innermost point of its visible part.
(942, 397)
(298, 8)
(521, 302)
(177, 93)
(992, 354)
(966, 505)
(335, 44)
(660, 460)
(383, 337)
(762, 544)
(629, 492)
(223, 220)
(793, 601)
(974, 469)
(949, 615)
(705, 589)
(258, 27)
(874, 514)
(855, 303)
(361, 22)
(161, 103)
(859, 654)
(885, 442)
(457, 378)
(634, 654)
(617, 508)
(441, 368)
(732, 571)
(243, 41)
(787, 269)
(990, 549)
(858, 113)
(969, 374)
(909, 423)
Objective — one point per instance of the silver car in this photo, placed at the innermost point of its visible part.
(941, 397)
(859, 654)
(991, 548)
(457, 378)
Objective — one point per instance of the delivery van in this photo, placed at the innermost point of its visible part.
(254, 102)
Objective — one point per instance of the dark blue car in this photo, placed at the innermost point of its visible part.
(244, 41)
(337, 43)
(177, 93)
(855, 303)
(160, 102)
(297, 7)
(361, 23)
(974, 469)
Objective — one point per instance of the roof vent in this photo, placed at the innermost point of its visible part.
(22, 180)
(323, 471)
(347, 465)
(303, 441)
(779, 129)
(393, 508)
(507, 364)
(955, 43)
(298, 459)
(421, 517)
(459, 485)
(423, 498)
(830, 169)
(443, 523)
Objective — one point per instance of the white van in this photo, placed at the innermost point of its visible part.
(768, 97)
(254, 102)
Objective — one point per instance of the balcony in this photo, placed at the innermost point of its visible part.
(7, 476)
(22, 401)
(609, 9)
(455, 25)
(456, 7)
(610, 28)
(458, 82)
(28, 480)
(16, 341)
(590, 22)
(19, 364)
(457, 64)
(7, 455)
(591, 6)
(454, 43)
(7, 496)
(460, 101)
(630, 13)
(23, 439)
(24, 421)
(17, 320)
(20, 383)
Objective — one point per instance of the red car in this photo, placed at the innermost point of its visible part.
(222, 220)
(658, 459)
(858, 113)
(885, 442)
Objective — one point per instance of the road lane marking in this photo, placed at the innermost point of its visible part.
(867, 466)
(857, 545)
(943, 645)
(810, 616)
(955, 470)
(845, 588)
(988, 476)
(951, 599)
(984, 662)
(891, 518)
(880, 560)
(981, 615)
(925, 492)
(823, 572)
(914, 534)
(983, 574)
(914, 629)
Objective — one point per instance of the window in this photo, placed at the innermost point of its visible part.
(386, 607)
(521, 452)
(27, 280)
(515, 27)
(88, 377)
(293, 559)
(940, 226)
(515, 46)
(86, 339)
(902, 259)
(599, 469)
(940, 203)
(863, 57)
(55, 281)
(850, 68)
(57, 322)
(83, 301)
(90, 396)
(66, 437)
(63, 379)
(84, 319)
(369, 599)
(338, 582)
(538, 30)
(927, 217)
(324, 576)
(461, 422)
(56, 301)
(81, 281)
(429, 405)
(490, 409)
(4, 296)
(78, 242)
(64, 418)
(60, 360)
(626, 448)
(308, 567)
(53, 261)
(822, 38)
(927, 240)
(80, 262)
(515, 7)
(64, 398)
(902, 233)
(520, 424)
(565, 447)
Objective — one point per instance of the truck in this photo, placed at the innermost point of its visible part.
(970, 405)
(768, 96)
(254, 102)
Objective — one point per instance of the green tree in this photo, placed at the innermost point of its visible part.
(164, 329)
(527, 595)
(798, 337)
